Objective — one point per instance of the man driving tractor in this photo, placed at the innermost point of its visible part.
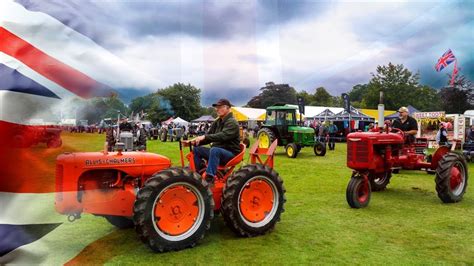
(224, 138)
(407, 124)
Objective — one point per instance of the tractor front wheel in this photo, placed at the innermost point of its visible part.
(291, 150)
(358, 192)
(265, 137)
(173, 210)
(319, 149)
(379, 182)
(451, 178)
(119, 221)
(253, 200)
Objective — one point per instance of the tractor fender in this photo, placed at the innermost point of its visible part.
(439, 153)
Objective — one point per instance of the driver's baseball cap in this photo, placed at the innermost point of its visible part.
(222, 102)
(403, 109)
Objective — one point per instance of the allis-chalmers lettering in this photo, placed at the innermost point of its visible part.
(110, 161)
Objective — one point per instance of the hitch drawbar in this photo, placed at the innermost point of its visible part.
(73, 216)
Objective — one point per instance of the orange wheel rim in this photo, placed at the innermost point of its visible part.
(176, 210)
(257, 199)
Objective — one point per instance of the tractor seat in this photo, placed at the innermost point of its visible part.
(236, 160)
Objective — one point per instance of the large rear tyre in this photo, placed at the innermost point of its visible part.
(319, 149)
(358, 192)
(291, 150)
(253, 200)
(173, 210)
(451, 178)
(379, 182)
(119, 221)
(265, 137)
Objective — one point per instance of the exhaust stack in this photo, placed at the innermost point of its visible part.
(381, 109)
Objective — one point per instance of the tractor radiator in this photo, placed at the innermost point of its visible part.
(358, 152)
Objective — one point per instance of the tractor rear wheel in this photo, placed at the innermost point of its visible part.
(358, 192)
(119, 221)
(379, 182)
(451, 178)
(319, 149)
(173, 210)
(265, 137)
(291, 150)
(253, 200)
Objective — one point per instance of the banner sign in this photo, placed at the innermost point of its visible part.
(422, 115)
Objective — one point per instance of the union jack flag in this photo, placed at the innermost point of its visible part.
(44, 63)
(446, 59)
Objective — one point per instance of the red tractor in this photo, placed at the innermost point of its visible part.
(170, 207)
(375, 155)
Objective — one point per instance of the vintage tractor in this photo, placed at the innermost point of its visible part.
(170, 207)
(151, 131)
(127, 136)
(375, 155)
(27, 136)
(280, 124)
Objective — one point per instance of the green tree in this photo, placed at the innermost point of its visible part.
(273, 93)
(357, 94)
(401, 88)
(308, 98)
(143, 103)
(181, 100)
(456, 99)
(113, 105)
(322, 97)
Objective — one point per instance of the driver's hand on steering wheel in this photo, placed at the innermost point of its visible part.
(198, 139)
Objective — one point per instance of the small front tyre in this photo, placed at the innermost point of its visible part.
(253, 200)
(358, 192)
(291, 150)
(319, 149)
(173, 210)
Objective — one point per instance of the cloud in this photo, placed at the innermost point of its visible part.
(233, 47)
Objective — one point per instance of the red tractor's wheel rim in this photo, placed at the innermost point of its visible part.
(457, 179)
(178, 211)
(363, 191)
(258, 201)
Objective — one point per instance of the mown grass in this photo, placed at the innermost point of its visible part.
(406, 224)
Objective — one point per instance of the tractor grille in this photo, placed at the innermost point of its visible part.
(127, 139)
(59, 182)
(358, 152)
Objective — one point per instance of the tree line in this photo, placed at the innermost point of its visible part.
(401, 87)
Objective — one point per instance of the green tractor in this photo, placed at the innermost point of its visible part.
(280, 123)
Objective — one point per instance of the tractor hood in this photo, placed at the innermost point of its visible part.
(303, 130)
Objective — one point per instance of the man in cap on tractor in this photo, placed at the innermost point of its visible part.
(224, 137)
(407, 124)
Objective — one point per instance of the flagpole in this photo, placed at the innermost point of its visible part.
(455, 72)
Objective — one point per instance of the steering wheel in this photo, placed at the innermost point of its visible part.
(399, 131)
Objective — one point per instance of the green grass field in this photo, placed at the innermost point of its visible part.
(406, 224)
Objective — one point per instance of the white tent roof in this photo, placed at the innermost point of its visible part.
(311, 111)
(180, 121)
(469, 113)
(251, 113)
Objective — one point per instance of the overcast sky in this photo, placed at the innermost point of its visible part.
(231, 48)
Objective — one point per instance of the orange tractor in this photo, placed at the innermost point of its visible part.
(171, 208)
